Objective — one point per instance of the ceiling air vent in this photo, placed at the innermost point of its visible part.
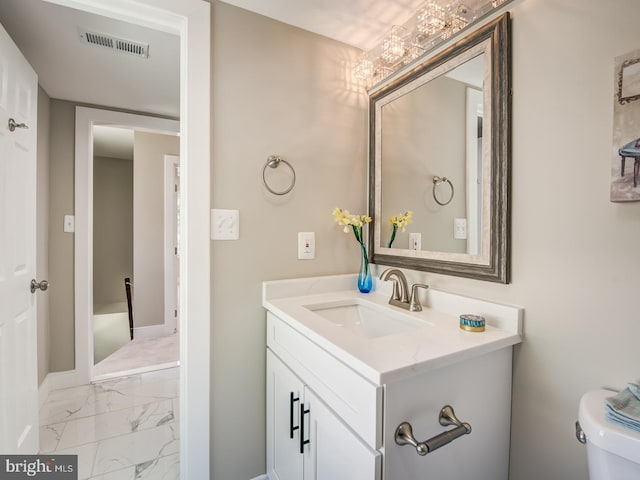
(138, 49)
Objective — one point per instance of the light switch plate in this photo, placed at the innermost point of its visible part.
(225, 224)
(69, 225)
(460, 228)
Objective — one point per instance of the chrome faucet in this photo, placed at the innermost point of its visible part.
(400, 295)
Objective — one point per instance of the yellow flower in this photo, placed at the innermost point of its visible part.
(402, 220)
(344, 218)
(351, 222)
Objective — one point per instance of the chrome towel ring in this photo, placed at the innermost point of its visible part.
(437, 181)
(274, 161)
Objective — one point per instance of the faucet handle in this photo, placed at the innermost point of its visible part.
(414, 302)
(396, 289)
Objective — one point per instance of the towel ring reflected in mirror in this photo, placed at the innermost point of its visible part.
(437, 181)
(274, 161)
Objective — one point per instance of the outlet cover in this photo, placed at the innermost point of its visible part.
(415, 241)
(306, 245)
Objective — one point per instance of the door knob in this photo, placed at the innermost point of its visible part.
(13, 125)
(43, 285)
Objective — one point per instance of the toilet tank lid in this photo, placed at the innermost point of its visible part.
(604, 434)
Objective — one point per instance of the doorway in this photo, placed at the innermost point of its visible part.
(191, 20)
(134, 203)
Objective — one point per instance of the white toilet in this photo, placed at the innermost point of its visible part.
(613, 451)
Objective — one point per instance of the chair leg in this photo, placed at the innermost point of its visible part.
(127, 287)
(636, 169)
(622, 159)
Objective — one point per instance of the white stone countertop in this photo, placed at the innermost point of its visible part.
(440, 342)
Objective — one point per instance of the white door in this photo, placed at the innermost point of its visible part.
(18, 354)
(333, 451)
(284, 390)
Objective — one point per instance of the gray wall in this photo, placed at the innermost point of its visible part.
(425, 136)
(61, 155)
(148, 220)
(42, 232)
(112, 228)
(276, 90)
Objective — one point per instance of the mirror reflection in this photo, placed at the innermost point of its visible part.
(432, 146)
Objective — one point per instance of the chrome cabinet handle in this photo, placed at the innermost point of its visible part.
(292, 400)
(303, 442)
(404, 433)
(43, 285)
(13, 125)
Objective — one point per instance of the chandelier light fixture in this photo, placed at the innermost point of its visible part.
(436, 21)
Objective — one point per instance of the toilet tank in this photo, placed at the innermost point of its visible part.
(613, 451)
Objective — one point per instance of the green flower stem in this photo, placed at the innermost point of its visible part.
(357, 231)
(393, 236)
(365, 257)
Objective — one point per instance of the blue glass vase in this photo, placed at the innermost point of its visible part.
(365, 283)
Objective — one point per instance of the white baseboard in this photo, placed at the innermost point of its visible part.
(135, 371)
(151, 331)
(261, 477)
(58, 381)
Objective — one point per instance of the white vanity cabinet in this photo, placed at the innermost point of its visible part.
(306, 440)
(346, 391)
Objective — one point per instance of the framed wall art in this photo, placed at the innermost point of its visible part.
(625, 155)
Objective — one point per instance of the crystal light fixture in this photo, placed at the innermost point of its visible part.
(364, 68)
(415, 49)
(455, 21)
(430, 18)
(435, 22)
(393, 45)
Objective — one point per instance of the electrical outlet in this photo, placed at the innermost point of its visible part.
(306, 245)
(460, 228)
(415, 241)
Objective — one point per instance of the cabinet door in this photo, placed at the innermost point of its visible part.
(334, 452)
(284, 390)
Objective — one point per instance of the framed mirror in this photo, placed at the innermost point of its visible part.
(440, 147)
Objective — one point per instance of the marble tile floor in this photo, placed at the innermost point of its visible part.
(121, 429)
(140, 354)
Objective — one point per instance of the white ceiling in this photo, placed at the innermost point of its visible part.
(361, 23)
(68, 69)
(112, 142)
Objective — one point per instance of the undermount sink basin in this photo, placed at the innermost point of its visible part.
(365, 320)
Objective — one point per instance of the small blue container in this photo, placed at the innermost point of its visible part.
(472, 323)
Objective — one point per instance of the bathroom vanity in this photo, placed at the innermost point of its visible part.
(345, 369)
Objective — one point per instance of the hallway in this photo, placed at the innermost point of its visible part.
(121, 429)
